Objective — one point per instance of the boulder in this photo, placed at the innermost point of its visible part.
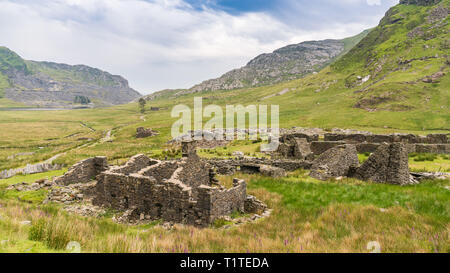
(142, 132)
(335, 162)
(388, 164)
(272, 171)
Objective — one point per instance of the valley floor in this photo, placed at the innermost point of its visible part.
(308, 216)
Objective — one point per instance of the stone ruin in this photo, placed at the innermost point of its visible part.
(178, 191)
(388, 164)
(336, 155)
(305, 146)
(142, 132)
(335, 162)
(83, 171)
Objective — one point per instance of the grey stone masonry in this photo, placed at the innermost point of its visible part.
(179, 191)
(84, 171)
(388, 164)
(335, 162)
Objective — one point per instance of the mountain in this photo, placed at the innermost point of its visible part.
(284, 64)
(59, 85)
(404, 61)
(396, 77)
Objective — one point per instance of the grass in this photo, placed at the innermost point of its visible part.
(308, 216)
(30, 178)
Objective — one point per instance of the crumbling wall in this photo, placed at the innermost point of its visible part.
(302, 149)
(195, 172)
(83, 171)
(319, 147)
(289, 138)
(135, 164)
(160, 171)
(230, 166)
(377, 138)
(388, 164)
(335, 162)
(175, 191)
(215, 203)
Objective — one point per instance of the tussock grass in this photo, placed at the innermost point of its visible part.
(308, 216)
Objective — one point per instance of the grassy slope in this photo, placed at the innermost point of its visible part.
(309, 215)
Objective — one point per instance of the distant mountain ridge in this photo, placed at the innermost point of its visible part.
(51, 84)
(284, 64)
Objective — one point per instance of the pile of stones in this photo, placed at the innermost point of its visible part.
(142, 132)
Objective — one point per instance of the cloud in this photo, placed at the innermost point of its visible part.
(159, 44)
(374, 2)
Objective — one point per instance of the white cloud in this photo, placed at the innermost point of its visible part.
(154, 44)
(373, 2)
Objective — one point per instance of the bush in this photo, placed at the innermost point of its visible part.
(37, 231)
(425, 157)
(53, 234)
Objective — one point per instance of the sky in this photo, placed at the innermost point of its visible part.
(161, 44)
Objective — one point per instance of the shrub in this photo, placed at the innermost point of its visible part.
(425, 157)
(37, 231)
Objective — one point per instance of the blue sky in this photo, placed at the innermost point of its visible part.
(158, 44)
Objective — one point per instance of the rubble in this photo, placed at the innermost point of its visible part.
(142, 132)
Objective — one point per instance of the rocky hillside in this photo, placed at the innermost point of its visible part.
(284, 64)
(59, 85)
(404, 61)
(397, 77)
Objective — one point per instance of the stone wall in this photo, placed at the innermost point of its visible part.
(230, 166)
(135, 164)
(388, 164)
(319, 147)
(335, 162)
(179, 191)
(373, 138)
(84, 171)
(224, 202)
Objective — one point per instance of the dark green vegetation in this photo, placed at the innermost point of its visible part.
(82, 100)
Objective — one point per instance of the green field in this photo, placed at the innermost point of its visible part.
(308, 215)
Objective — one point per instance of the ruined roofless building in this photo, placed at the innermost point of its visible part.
(178, 191)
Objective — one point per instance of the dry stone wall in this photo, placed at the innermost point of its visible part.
(84, 171)
(388, 164)
(335, 162)
(179, 191)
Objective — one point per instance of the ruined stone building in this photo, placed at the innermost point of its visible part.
(306, 146)
(179, 191)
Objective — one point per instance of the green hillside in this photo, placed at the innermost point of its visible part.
(395, 78)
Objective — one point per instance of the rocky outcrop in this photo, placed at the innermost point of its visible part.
(335, 162)
(388, 164)
(287, 63)
(284, 64)
(142, 132)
